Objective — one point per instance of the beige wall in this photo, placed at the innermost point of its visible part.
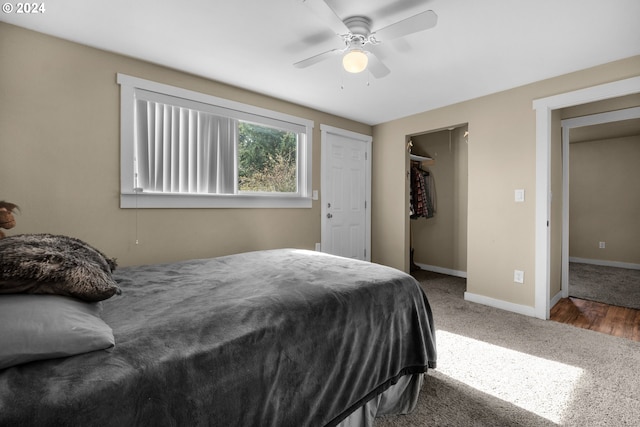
(389, 197)
(59, 136)
(441, 241)
(501, 233)
(604, 199)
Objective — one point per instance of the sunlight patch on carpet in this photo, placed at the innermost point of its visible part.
(538, 385)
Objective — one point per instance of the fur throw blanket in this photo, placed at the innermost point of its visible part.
(52, 264)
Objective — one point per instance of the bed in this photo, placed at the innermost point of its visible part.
(280, 337)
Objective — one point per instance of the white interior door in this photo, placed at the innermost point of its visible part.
(346, 191)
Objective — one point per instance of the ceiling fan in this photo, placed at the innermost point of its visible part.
(355, 32)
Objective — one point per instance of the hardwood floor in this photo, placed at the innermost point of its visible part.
(608, 319)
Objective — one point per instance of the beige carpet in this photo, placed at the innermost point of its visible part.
(610, 285)
(497, 368)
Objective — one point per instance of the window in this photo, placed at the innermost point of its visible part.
(186, 149)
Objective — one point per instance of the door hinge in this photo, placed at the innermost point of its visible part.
(365, 253)
(366, 155)
(365, 204)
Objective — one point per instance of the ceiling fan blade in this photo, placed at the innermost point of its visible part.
(327, 15)
(376, 66)
(420, 22)
(317, 58)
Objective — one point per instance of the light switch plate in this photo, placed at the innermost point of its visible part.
(519, 195)
(518, 276)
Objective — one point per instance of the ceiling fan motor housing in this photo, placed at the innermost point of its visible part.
(359, 25)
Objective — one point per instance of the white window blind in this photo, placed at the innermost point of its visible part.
(182, 150)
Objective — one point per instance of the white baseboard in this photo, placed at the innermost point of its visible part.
(555, 299)
(503, 305)
(480, 299)
(605, 263)
(442, 270)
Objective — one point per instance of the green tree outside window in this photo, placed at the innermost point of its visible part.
(266, 159)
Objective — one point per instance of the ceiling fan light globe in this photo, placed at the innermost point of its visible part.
(355, 61)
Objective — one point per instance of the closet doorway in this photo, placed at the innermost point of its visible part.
(439, 239)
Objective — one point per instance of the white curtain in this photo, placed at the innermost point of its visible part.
(182, 150)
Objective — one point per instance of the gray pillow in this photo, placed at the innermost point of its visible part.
(52, 264)
(36, 327)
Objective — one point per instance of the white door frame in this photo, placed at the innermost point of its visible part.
(567, 125)
(324, 183)
(544, 107)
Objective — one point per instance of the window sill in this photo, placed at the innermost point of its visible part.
(143, 201)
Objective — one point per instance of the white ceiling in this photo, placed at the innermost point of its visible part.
(477, 47)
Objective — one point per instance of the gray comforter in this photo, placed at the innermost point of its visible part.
(269, 338)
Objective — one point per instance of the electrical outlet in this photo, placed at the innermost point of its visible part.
(518, 276)
(601, 245)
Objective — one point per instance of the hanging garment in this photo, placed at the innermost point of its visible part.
(430, 188)
(421, 194)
